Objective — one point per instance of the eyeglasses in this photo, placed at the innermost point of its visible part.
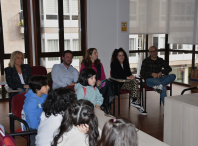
(153, 51)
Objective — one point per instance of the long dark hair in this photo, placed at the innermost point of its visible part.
(81, 112)
(58, 101)
(115, 55)
(87, 59)
(85, 74)
(118, 132)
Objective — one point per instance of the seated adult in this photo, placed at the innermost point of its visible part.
(64, 74)
(17, 74)
(120, 70)
(91, 61)
(152, 69)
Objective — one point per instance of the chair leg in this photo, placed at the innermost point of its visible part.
(145, 99)
(160, 101)
(129, 102)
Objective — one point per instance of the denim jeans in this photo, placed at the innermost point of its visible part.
(162, 80)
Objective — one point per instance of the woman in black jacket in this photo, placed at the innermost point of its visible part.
(120, 70)
(17, 74)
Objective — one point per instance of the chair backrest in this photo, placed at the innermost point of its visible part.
(17, 104)
(38, 70)
(8, 141)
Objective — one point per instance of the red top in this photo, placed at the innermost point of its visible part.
(93, 67)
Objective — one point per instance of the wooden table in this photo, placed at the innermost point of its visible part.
(143, 138)
(181, 120)
(119, 81)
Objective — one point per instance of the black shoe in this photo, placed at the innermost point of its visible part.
(135, 103)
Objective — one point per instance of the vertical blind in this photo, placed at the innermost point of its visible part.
(178, 18)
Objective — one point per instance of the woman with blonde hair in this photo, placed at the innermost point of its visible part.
(17, 74)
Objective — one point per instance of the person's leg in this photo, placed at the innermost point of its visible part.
(152, 82)
(133, 87)
(163, 94)
(167, 79)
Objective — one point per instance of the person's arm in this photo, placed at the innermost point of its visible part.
(76, 75)
(99, 98)
(103, 76)
(145, 72)
(80, 93)
(166, 67)
(115, 71)
(58, 77)
(11, 80)
(32, 113)
(29, 75)
(82, 67)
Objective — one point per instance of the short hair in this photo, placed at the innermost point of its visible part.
(37, 82)
(85, 74)
(118, 132)
(115, 55)
(13, 57)
(58, 101)
(67, 51)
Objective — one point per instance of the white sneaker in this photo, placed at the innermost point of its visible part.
(158, 88)
(142, 111)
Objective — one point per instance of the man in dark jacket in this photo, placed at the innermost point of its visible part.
(152, 69)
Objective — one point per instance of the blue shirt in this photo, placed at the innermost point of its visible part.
(61, 76)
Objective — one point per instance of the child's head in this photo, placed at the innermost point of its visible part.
(58, 101)
(87, 77)
(118, 132)
(80, 112)
(39, 83)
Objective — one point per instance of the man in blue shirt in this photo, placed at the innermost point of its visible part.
(64, 74)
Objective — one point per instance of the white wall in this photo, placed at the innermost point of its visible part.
(104, 19)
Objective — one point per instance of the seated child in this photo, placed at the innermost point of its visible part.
(118, 132)
(33, 102)
(54, 107)
(81, 112)
(86, 87)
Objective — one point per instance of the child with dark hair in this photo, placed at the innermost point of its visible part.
(81, 112)
(118, 132)
(33, 102)
(54, 107)
(86, 87)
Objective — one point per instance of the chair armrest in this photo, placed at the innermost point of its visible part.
(119, 80)
(20, 120)
(23, 133)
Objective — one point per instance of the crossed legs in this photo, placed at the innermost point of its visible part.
(162, 80)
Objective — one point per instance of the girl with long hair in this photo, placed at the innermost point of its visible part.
(86, 87)
(81, 112)
(105, 87)
(118, 132)
(120, 70)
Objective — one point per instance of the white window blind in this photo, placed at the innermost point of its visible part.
(178, 18)
(52, 46)
(75, 45)
(51, 6)
(67, 44)
(66, 6)
(74, 6)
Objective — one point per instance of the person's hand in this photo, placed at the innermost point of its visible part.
(98, 83)
(84, 128)
(154, 75)
(98, 106)
(159, 74)
(131, 77)
(26, 86)
(72, 84)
